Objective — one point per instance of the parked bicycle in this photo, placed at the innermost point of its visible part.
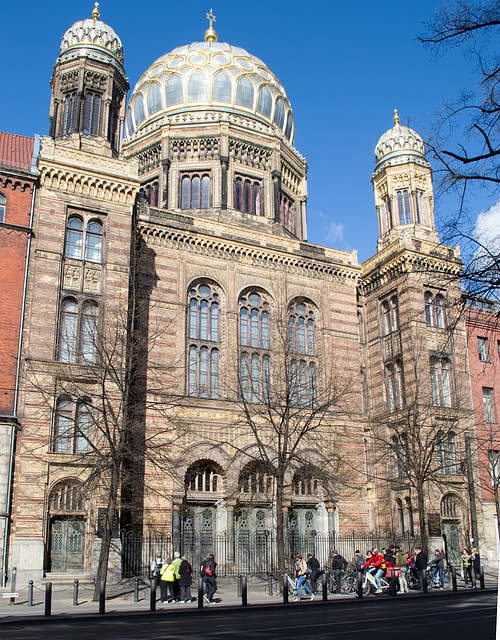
(348, 582)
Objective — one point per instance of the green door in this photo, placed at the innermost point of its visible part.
(67, 544)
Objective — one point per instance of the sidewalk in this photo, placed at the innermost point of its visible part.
(120, 600)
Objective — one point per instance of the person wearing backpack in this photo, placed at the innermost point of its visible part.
(168, 574)
(207, 572)
(402, 562)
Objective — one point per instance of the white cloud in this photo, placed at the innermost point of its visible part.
(487, 229)
(334, 231)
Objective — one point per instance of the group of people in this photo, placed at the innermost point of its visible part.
(469, 562)
(176, 576)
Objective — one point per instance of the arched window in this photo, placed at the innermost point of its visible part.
(245, 92)
(70, 113)
(255, 342)
(440, 452)
(450, 507)
(195, 191)
(279, 113)
(93, 241)
(203, 331)
(205, 476)
(74, 238)
(265, 102)
(395, 447)
(434, 310)
(78, 332)
(66, 496)
(400, 522)
(420, 207)
(91, 114)
(247, 196)
(289, 124)
(428, 309)
(439, 311)
(173, 91)
(130, 122)
(71, 427)
(409, 515)
(386, 315)
(301, 336)
(440, 381)
(387, 218)
(306, 482)
(255, 478)
(221, 87)
(451, 453)
(3, 202)
(197, 87)
(139, 115)
(404, 206)
(154, 99)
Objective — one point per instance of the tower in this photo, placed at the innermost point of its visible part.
(402, 182)
(89, 86)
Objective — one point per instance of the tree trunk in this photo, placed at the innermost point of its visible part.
(102, 569)
(421, 517)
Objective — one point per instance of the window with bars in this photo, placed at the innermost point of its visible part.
(203, 339)
(195, 191)
(254, 340)
(72, 427)
(247, 196)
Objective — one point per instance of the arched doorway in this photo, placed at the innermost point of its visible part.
(66, 528)
(452, 521)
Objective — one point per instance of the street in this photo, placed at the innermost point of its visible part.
(409, 618)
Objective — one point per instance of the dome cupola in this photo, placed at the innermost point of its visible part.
(92, 36)
(397, 144)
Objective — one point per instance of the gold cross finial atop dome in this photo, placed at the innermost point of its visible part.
(211, 33)
(95, 12)
(396, 117)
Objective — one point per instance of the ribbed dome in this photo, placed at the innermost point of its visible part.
(209, 76)
(399, 141)
(95, 35)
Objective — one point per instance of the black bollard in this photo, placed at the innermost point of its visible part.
(270, 584)
(324, 586)
(152, 595)
(102, 597)
(424, 580)
(481, 577)
(30, 593)
(239, 585)
(393, 589)
(454, 579)
(201, 584)
(244, 600)
(136, 590)
(48, 599)
(360, 584)
(75, 593)
(285, 590)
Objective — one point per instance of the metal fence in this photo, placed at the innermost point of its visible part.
(247, 552)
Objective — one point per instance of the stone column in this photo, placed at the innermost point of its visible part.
(224, 160)
(164, 197)
(230, 533)
(276, 176)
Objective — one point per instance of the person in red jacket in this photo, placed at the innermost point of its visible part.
(377, 567)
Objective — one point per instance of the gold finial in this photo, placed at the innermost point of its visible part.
(211, 33)
(95, 12)
(396, 117)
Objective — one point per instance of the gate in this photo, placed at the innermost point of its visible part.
(67, 544)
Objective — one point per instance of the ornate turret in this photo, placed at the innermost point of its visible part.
(89, 87)
(402, 182)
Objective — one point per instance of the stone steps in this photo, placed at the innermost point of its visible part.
(68, 578)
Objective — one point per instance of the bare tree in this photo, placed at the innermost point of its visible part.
(292, 397)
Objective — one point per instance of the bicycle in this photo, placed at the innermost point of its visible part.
(370, 584)
(292, 584)
(348, 582)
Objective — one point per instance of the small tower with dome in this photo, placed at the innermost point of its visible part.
(89, 87)
(402, 182)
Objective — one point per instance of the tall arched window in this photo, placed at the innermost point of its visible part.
(247, 196)
(92, 114)
(195, 191)
(71, 431)
(279, 113)
(420, 207)
(71, 102)
(93, 241)
(221, 87)
(203, 335)
(139, 115)
(78, 238)
(434, 310)
(404, 206)
(3, 202)
(301, 338)
(400, 522)
(245, 92)
(74, 238)
(255, 342)
(154, 98)
(173, 90)
(265, 102)
(440, 369)
(394, 385)
(197, 87)
(78, 331)
(204, 476)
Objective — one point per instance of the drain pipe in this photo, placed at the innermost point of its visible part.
(14, 418)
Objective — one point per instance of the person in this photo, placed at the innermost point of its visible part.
(168, 574)
(401, 562)
(437, 565)
(466, 567)
(156, 566)
(301, 575)
(376, 563)
(339, 563)
(476, 564)
(420, 565)
(177, 563)
(358, 560)
(313, 571)
(185, 580)
(208, 573)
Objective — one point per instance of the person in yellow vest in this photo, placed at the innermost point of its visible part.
(168, 575)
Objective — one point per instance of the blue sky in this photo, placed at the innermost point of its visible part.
(344, 66)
